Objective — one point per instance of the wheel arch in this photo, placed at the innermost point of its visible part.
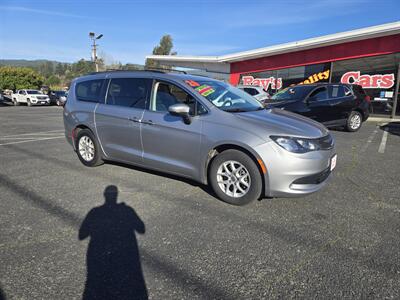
(231, 146)
(359, 110)
(76, 130)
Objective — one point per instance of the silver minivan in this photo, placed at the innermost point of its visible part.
(199, 128)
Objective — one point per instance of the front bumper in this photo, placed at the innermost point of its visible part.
(294, 174)
(40, 102)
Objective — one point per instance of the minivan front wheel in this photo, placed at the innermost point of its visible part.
(235, 177)
(354, 121)
(87, 148)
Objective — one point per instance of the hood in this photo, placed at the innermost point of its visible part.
(281, 122)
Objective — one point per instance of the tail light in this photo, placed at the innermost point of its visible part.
(368, 99)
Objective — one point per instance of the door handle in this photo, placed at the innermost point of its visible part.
(135, 119)
(148, 122)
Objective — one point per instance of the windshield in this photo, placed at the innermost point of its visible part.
(225, 96)
(33, 92)
(291, 93)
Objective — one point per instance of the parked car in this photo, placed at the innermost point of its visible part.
(30, 97)
(198, 128)
(58, 97)
(332, 104)
(257, 92)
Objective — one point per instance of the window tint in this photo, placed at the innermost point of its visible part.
(336, 91)
(129, 92)
(251, 91)
(89, 90)
(167, 94)
(319, 94)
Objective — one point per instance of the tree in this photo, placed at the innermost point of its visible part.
(46, 68)
(82, 67)
(164, 48)
(52, 80)
(15, 78)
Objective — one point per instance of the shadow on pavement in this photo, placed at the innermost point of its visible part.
(2, 296)
(392, 128)
(114, 269)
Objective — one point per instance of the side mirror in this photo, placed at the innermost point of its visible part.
(180, 109)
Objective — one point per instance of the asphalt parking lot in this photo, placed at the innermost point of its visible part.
(342, 242)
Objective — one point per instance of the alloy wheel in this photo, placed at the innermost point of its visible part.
(355, 121)
(233, 179)
(86, 148)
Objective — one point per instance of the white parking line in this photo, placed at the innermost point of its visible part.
(382, 146)
(34, 133)
(370, 139)
(35, 140)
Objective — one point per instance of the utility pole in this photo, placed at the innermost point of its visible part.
(93, 37)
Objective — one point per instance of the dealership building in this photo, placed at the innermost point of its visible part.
(368, 56)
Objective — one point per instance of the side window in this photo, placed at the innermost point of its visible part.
(319, 94)
(336, 91)
(166, 94)
(21, 92)
(90, 90)
(129, 92)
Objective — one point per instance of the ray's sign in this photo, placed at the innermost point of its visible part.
(264, 82)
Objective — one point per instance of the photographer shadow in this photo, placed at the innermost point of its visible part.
(113, 263)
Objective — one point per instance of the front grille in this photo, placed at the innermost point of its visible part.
(326, 142)
(41, 97)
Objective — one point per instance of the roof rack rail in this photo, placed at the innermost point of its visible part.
(158, 70)
(151, 69)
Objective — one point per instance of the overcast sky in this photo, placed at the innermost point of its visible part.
(58, 29)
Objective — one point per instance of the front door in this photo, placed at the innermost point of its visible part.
(317, 105)
(168, 143)
(118, 120)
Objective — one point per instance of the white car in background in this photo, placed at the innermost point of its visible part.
(257, 92)
(30, 97)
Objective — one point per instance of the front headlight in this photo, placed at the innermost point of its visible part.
(296, 145)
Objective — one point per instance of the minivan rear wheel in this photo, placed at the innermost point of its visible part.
(235, 177)
(87, 148)
(354, 121)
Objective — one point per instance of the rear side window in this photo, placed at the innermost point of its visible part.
(336, 91)
(90, 90)
(129, 92)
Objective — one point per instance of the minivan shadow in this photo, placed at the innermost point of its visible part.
(189, 181)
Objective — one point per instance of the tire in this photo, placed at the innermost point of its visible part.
(85, 141)
(28, 102)
(222, 165)
(16, 103)
(354, 121)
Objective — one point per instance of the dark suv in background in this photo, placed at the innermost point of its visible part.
(334, 105)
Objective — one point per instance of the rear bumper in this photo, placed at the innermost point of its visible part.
(292, 174)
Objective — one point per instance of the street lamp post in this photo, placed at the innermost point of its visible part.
(93, 37)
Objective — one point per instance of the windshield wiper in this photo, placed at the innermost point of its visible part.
(234, 110)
